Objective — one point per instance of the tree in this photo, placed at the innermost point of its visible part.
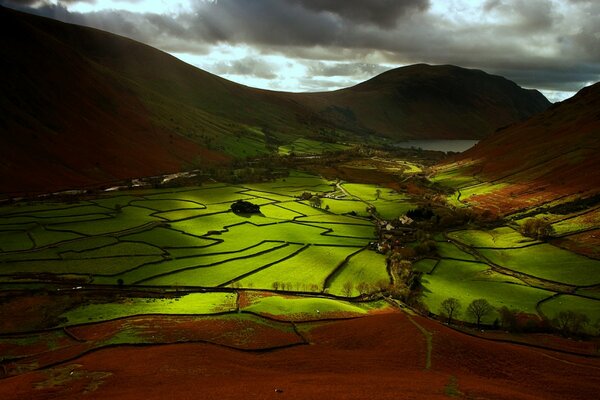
(478, 309)
(275, 285)
(508, 319)
(450, 307)
(537, 228)
(315, 201)
(377, 194)
(348, 288)
(570, 322)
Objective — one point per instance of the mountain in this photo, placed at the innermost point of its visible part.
(552, 156)
(430, 102)
(81, 106)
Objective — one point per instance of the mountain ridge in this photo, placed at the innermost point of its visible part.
(84, 106)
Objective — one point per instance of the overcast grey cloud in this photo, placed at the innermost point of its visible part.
(546, 44)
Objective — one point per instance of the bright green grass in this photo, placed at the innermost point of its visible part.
(217, 222)
(195, 303)
(499, 237)
(164, 237)
(15, 241)
(225, 272)
(345, 206)
(277, 212)
(469, 281)
(392, 209)
(269, 196)
(367, 266)
(303, 308)
(449, 250)
(480, 189)
(246, 234)
(333, 218)
(203, 257)
(548, 262)
(54, 252)
(304, 208)
(425, 265)
(122, 249)
(178, 215)
(130, 217)
(167, 205)
(108, 266)
(309, 267)
(565, 302)
(352, 230)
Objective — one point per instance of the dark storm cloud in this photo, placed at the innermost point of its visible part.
(534, 42)
(383, 13)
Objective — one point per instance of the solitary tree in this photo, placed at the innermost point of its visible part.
(450, 307)
(478, 309)
(377, 194)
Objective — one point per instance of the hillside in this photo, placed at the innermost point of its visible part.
(81, 106)
(430, 102)
(550, 157)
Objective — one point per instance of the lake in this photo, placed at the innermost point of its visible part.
(438, 145)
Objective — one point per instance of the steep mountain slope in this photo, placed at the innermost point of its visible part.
(436, 102)
(81, 106)
(551, 156)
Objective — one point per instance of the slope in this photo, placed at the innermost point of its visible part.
(430, 102)
(550, 157)
(81, 106)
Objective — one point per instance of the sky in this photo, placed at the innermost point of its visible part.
(320, 45)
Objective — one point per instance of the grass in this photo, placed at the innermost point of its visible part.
(195, 303)
(425, 265)
(107, 266)
(308, 146)
(164, 237)
(450, 250)
(468, 281)
(303, 308)
(15, 241)
(564, 302)
(548, 262)
(224, 272)
(306, 271)
(499, 237)
(204, 257)
(366, 266)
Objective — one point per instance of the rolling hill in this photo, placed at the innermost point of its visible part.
(553, 156)
(80, 106)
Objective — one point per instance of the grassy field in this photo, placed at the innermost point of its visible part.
(189, 238)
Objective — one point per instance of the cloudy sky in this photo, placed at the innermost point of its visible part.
(316, 45)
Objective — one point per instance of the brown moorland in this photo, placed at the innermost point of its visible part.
(551, 156)
(382, 356)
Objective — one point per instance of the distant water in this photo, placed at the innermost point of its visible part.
(438, 145)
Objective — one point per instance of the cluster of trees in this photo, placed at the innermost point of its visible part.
(567, 323)
(537, 228)
(298, 286)
(477, 309)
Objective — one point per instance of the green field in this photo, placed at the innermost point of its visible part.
(188, 238)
